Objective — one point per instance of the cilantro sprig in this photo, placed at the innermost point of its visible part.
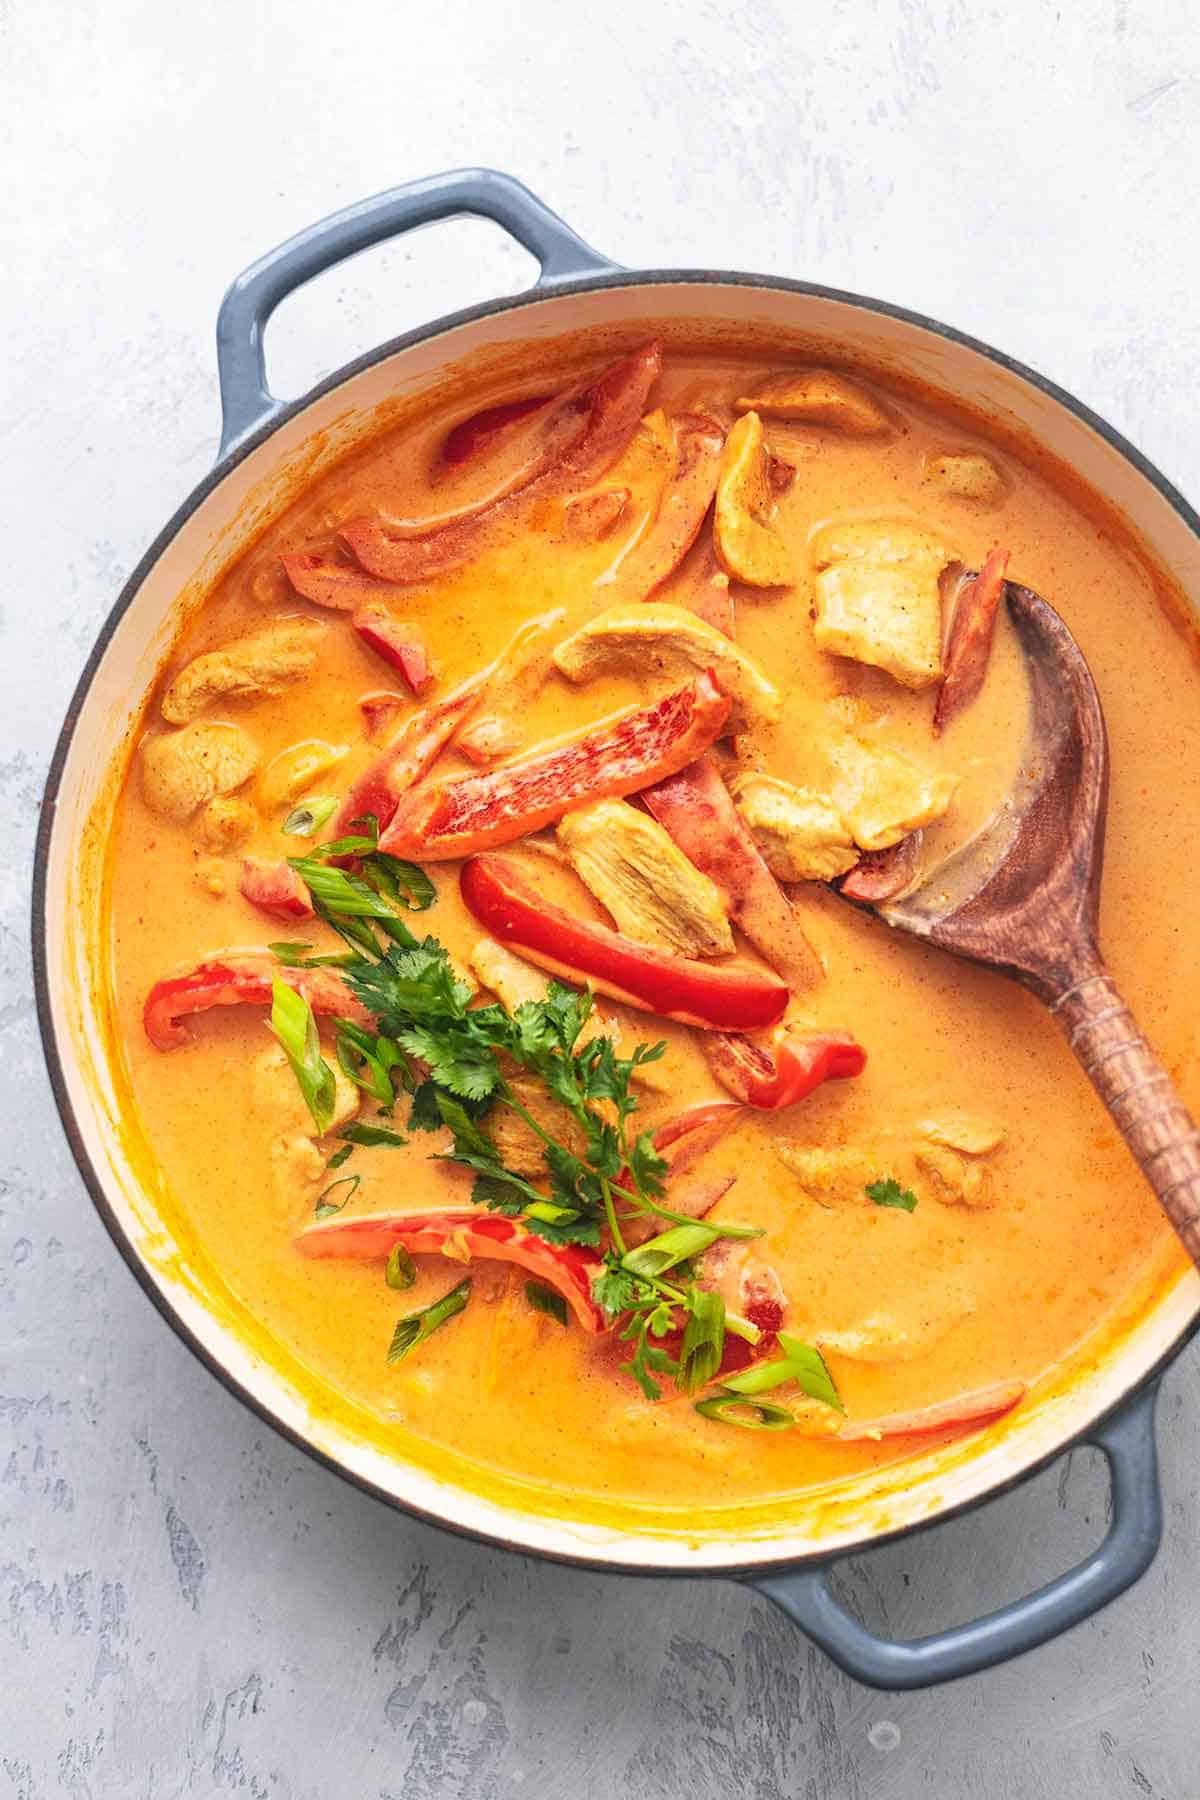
(464, 1065)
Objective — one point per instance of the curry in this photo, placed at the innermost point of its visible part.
(484, 966)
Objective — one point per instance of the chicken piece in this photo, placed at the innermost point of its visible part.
(885, 1337)
(831, 1177)
(297, 1161)
(967, 475)
(293, 771)
(520, 1148)
(818, 397)
(513, 981)
(265, 662)
(801, 836)
(226, 822)
(183, 770)
(957, 1181)
(968, 1132)
(748, 1284)
(635, 870)
(746, 506)
(877, 598)
(276, 1098)
(881, 794)
(651, 639)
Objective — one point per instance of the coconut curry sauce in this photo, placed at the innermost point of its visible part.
(716, 712)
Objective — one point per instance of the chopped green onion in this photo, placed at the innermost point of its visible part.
(703, 1340)
(368, 1135)
(355, 932)
(675, 1246)
(325, 1207)
(342, 893)
(545, 1300)
(403, 883)
(293, 1024)
(761, 1377)
(340, 1156)
(888, 1192)
(351, 845)
(800, 1363)
(550, 1213)
(370, 826)
(732, 1409)
(309, 816)
(401, 1270)
(368, 1061)
(414, 1328)
(292, 957)
(812, 1372)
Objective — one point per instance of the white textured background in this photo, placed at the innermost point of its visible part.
(187, 1605)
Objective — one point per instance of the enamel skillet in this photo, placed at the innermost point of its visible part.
(266, 449)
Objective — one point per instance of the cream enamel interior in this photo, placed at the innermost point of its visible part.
(919, 1488)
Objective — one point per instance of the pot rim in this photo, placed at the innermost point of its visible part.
(244, 447)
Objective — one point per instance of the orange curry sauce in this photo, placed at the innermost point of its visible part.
(1015, 1255)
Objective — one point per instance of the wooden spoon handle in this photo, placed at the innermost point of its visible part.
(1139, 1094)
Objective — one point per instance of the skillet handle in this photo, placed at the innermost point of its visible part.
(246, 400)
(1127, 1440)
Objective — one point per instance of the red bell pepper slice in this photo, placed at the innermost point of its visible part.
(694, 1131)
(412, 752)
(275, 889)
(240, 978)
(617, 401)
(715, 998)
(880, 875)
(959, 1414)
(770, 1077)
(471, 436)
(421, 739)
(685, 500)
(682, 1141)
(397, 642)
(970, 647)
(450, 819)
(695, 807)
(570, 1269)
(335, 585)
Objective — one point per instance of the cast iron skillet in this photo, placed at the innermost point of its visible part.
(250, 413)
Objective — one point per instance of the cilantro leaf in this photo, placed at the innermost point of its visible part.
(888, 1192)
(425, 1114)
(545, 1300)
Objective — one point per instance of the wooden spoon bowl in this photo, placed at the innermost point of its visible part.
(1023, 897)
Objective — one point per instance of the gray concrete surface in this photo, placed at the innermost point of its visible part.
(188, 1605)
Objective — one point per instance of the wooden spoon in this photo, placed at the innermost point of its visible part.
(1023, 896)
